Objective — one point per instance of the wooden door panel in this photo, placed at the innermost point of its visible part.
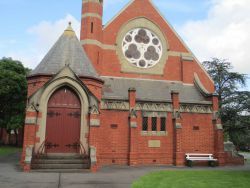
(72, 131)
(54, 123)
(63, 122)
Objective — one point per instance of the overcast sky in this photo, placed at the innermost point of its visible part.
(211, 28)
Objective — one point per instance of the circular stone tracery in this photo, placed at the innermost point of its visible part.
(142, 48)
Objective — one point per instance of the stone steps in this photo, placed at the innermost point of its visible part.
(60, 162)
(61, 170)
(63, 156)
(60, 166)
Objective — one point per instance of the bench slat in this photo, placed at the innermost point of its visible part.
(197, 158)
(200, 157)
(199, 154)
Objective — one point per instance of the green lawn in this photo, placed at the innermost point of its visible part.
(6, 150)
(194, 179)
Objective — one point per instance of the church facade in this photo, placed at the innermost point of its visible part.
(128, 93)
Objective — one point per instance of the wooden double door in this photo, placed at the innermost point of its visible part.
(63, 122)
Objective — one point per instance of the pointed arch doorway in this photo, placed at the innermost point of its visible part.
(63, 122)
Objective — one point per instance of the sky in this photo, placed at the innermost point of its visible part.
(210, 28)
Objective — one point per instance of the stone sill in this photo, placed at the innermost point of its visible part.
(154, 133)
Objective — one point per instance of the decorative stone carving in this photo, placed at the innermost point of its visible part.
(196, 108)
(155, 107)
(133, 113)
(140, 106)
(31, 108)
(94, 110)
(176, 114)
(114, 105)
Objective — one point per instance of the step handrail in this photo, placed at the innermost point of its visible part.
(82, 149)
(41, 149)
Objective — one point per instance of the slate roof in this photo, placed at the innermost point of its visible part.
(66, 51)
(150, 90)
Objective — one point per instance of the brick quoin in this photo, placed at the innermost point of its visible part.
(117, 132)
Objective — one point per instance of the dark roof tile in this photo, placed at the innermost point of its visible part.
(66, 51)
(150, 90)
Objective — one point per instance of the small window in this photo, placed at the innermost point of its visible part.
(92, 27)
(196, 128)
(98, 57)
(113, 126)
(163, 124)
(154, 124)
(145, 123)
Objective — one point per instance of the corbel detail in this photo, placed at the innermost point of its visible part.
(176, 114)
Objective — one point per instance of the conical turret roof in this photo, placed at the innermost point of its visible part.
(66, 51)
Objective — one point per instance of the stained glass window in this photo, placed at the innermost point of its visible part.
(142, 48)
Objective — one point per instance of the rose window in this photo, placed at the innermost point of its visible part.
(142, 48)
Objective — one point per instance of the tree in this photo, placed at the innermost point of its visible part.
(13, 93)
(234, 104)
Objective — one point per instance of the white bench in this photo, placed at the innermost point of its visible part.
(190, 157)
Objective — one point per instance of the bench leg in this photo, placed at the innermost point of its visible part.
(212, 163)
(189, 163)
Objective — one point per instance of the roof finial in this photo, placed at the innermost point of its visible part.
(69, 31)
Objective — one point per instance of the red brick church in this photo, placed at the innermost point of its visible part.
(128, 93)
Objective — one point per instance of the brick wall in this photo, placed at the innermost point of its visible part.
(115, 140)
(108, 64)
(197, 133)
(36, 82)
(161, 155)
(112, 136)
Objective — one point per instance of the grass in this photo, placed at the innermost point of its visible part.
(194, 179)
(6, 150)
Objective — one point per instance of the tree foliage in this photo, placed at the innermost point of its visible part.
(13, 92)
(234, 103)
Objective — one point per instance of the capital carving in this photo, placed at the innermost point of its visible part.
(94, 110)
(133, 113)
(176, 114)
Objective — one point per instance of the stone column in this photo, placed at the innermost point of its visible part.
(133, 129)
(29, 140)
(179, 158)
(94, 124)
(218, 132)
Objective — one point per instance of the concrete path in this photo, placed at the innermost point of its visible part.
(11, 176)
